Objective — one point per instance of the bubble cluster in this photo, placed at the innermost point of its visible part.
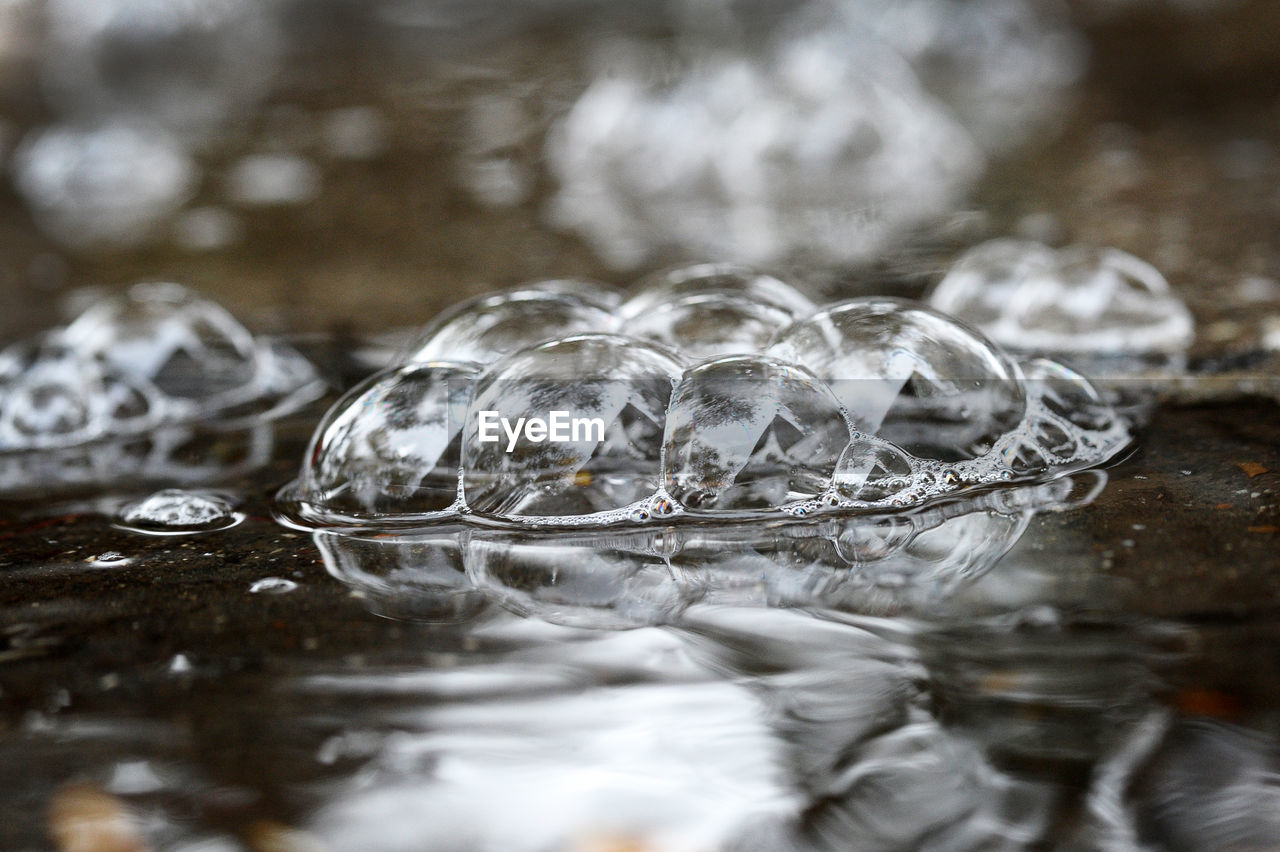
(154, 356)
(866, 404)
(826, 147)
(1079, 300)
(828, 129)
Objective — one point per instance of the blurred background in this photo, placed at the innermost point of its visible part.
(319, 165)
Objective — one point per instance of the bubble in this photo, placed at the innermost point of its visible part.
(185, 346)
(175, 511)
(751, 432)
(619, 387)
(108, 186)
(587, 290)
(273, 179)
(1078, 300)
(909, 375)
(708, 325)
(871, 470)
(484, 329)
(272, 586)
(391, 445)
(154, 356)
(52, 397)
(823, 146)
(739, 283)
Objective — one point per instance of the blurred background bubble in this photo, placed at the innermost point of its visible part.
(314, 163)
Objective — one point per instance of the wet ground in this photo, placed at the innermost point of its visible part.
(1110, 682)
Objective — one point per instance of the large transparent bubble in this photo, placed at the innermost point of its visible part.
(714, 279)
(741, 400)
(909, 375)
(751, 432)
(391, 445)
(601, 401)
(155, 356)
(186, 346)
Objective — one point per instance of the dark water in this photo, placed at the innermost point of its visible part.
(1111, 677)
(1093, 671)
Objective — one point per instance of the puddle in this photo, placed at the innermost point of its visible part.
(938, 512)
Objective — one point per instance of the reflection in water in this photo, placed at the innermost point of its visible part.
(739, 728)
(1193, 783)
(878, 768)
(416, 576)
(195, 454)
(859, 563)
(681, 766)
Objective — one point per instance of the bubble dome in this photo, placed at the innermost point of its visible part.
(1076, 300)
(157, 355)
(712, 392)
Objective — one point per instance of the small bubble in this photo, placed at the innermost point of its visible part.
(272, 586)
(662, 506)
(174, 511)
(267, 180)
